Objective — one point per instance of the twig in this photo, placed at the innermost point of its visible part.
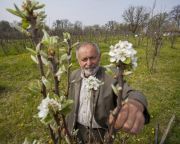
(167, 129)
(156, 134)
(41, 68)
(66, 129)
(53, 137)
(69, 51)
(54, 64)
(93, 111)
(115, 113)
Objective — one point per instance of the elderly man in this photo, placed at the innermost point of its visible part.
(132, 116)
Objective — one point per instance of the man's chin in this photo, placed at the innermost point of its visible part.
(89, 72)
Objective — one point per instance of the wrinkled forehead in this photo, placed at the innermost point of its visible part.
(88, 48)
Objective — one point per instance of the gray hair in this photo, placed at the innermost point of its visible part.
(85, 44)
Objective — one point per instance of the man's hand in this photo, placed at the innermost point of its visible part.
(130, 118)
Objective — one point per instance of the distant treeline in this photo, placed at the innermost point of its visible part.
(137, 20)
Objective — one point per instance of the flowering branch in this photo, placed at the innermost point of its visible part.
(67, 40)
(54, 107)
(92, 84)
(123, 56)
(32, 22)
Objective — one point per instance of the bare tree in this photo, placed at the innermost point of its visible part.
(135, 17)
(78, 25)
(63, 24)
(155, 31)
(77, 30)
(111, 25)
(175, 15)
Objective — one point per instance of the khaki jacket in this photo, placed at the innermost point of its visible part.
(105, 99)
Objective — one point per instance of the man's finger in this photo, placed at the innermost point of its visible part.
(122, 117)
(138, 124)
(131, 118)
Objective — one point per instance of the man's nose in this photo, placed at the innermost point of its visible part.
(89, 62)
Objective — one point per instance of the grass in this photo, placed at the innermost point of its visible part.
(18, 107)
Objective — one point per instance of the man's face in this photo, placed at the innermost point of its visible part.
(88, 59)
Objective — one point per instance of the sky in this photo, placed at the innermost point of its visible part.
(89, 12)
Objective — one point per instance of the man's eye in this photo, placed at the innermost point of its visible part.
(93, 58)
(85, 59)
(90, 58)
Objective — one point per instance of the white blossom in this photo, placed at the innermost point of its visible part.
(45, 105)
(65, 40)
(92, 83)
(122, 51)
(135, 35)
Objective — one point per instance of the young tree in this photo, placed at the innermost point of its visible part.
(155, 31)
(52, 65)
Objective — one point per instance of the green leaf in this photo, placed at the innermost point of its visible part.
(44, 61)
(25, 23)
(43, 53)
(109, 71)
(33, 4)
(67, 139)
(105, 54)
(45, 39)
(62, 49)
(125, 73)
(75, 44)
(61, 70)
(34, 59)
(49, 40)
(42, 16)
(66, 36)
(20, 29)
(31, 50)
(38, 47)
(46, 82)
(48, 72)
(74, 132)
(35, 142)
(116, 89)
(66, 106)
(26, 141)
(48, 119)
(14, 12)
(70, 65)
(19, 11)
(53, 40)
(63, 57)
(127, 61)
(39, 6)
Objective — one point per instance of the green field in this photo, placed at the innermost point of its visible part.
(18, 106)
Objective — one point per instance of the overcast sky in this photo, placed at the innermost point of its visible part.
(89, 12)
